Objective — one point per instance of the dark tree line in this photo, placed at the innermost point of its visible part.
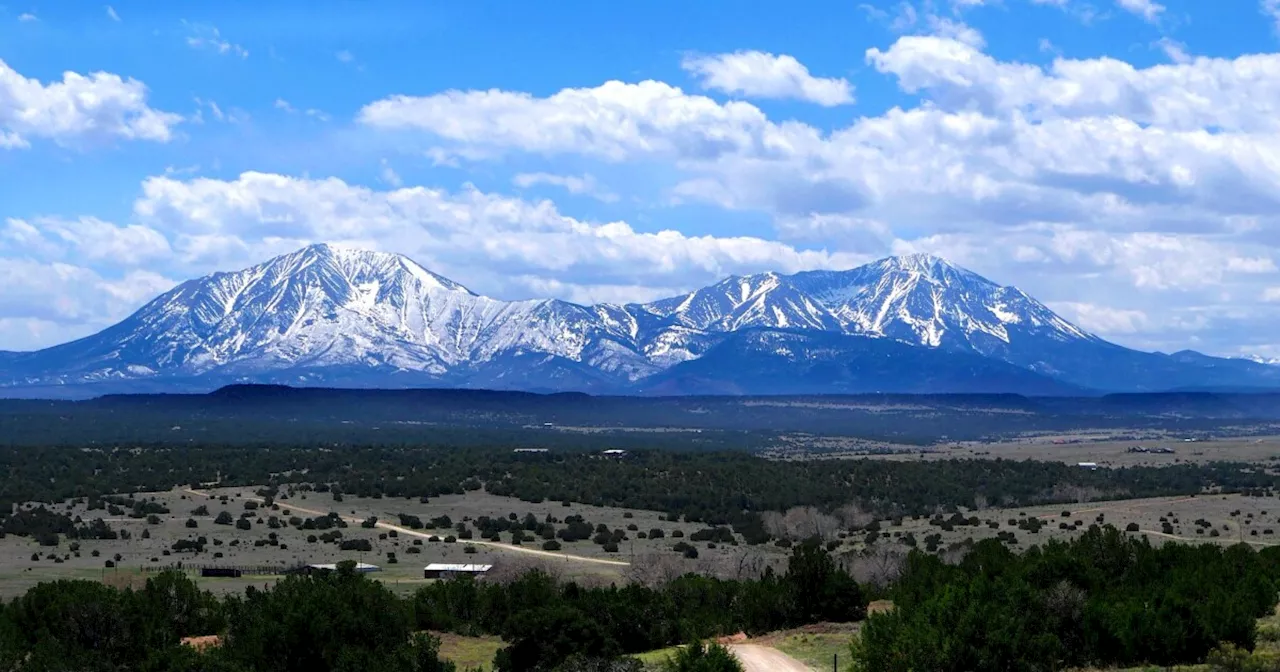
(714, 488)
(340, 621)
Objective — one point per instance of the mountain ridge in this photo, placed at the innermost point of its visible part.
(328, 313)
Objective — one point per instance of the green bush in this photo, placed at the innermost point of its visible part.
(699, 657)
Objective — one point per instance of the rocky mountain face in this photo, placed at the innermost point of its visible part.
(327, 315)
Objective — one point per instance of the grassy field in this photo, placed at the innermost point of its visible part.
(1230, 519)
(816, 646)
(582, 560)
(1107, 448)
(469, 652)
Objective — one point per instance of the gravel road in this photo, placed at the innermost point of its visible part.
(756, 658)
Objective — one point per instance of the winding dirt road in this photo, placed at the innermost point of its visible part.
(423, 535)
(756, 658)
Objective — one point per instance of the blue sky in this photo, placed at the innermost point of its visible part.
(1118, 159)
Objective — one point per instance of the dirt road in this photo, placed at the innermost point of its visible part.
(423, 535)
(756, 658)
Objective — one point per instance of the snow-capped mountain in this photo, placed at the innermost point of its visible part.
(332, 315)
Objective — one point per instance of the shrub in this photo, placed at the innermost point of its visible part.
(699, 657)
(355, 545)
(191, 523)
(223, 518)
(243, 524)
(1131, 527)
(551, 545)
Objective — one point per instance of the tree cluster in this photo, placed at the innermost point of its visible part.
(1102, 600)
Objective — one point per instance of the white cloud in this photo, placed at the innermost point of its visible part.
(1103, 320)
(1149, 10)
(1271, 295)
(282, 104)
(87, 239)
(574, 184)
(76, 298)
(208, 38)
(27, 17)
(111, 14)
(344, 56)
(78, 109)
(1232, 94)
(955, 30)
(756, 74)
(480, 239)
(614, 121)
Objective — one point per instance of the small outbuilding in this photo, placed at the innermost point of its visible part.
(362, 567)
(440, 570)
(1091, 466)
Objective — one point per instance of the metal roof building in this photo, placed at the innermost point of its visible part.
(333, 567)
(440, 570)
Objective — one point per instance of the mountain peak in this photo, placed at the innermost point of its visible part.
(921, 263)
(354, 261)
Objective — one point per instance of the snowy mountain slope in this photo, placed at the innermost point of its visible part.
(331, 315)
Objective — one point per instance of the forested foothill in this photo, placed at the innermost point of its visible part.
(249, 414)
(715, 488)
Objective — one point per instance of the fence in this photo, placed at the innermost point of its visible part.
(244, 570)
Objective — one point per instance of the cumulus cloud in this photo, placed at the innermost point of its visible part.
(757, 74)
(477, 238)
(79, 109)
(111, 14)
(615, 120)
(1231, 94)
